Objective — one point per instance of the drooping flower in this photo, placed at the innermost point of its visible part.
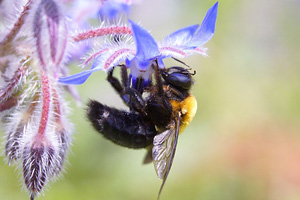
(146, 51)
(139, 56)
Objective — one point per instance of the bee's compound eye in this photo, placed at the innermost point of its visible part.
(178, 77)
(180, 80)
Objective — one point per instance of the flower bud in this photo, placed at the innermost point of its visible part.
(50, 33)
(39, 162)
(12, 147)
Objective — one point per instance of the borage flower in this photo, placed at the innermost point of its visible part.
(139, 57)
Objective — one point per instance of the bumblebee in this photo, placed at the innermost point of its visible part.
(153, 122)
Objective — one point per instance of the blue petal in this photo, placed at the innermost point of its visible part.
(146, 46)
(207, 28)
(76, 79)
(182, 35)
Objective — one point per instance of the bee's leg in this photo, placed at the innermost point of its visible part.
(161, 95)
(172, 91)
(137, 102)
(158, 107)
(124, 76)
(157, 76)
(138, 84)
(165, 95)
(115, 83)
(131, 97)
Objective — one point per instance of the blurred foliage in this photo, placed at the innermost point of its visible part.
(244, 142)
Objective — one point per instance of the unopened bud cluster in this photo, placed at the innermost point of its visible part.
(32, 108)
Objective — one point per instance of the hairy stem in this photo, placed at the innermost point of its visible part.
(14, 82)
(16, 28)
(9, 103)
(46, 103)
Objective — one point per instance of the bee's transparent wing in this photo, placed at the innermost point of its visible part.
(163, 151)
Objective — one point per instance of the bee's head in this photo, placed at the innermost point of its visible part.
(178, 77)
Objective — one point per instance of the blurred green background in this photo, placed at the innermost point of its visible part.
(244, 142)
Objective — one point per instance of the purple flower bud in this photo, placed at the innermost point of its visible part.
(50, 33)
(63, 140)
(38, 166)
(12, 146)
(62, 131)
(16, 130)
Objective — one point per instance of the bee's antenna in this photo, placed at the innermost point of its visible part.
(189, 68)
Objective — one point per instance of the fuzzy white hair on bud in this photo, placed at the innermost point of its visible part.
(32, 108)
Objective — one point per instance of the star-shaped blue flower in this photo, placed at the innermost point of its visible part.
(139, 57)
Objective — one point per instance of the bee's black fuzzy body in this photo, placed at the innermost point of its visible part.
(121, 127)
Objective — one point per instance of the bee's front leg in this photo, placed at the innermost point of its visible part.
(137, 103)
(120, 88)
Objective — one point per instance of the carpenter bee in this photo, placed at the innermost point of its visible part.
(154, 120)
